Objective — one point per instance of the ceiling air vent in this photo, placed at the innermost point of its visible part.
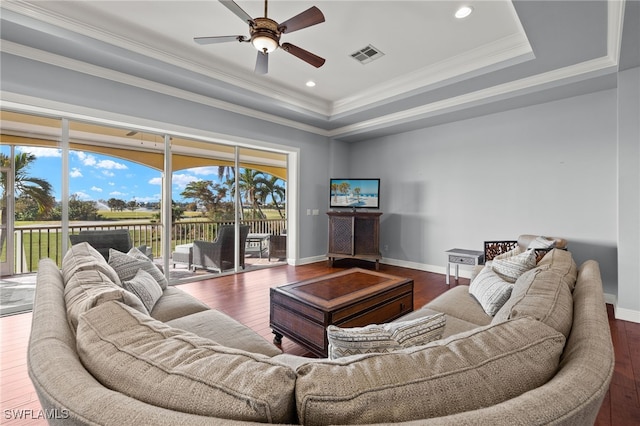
(367, 54)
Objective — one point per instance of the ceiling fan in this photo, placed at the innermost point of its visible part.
(265, 34)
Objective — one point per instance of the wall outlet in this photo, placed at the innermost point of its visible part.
(386, 247)
(308, 212)
(316, 212)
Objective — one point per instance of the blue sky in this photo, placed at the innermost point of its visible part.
(100, 177)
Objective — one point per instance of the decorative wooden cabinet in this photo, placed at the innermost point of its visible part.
(354, 234)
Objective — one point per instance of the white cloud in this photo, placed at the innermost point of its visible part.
(82, 196)
(181, 180)
(86, 159)
(117, 194)
(75, 173)
(110, 164)
(204, 171)
(97, 189)
(155, 181)
(107, 173)
(40, 151)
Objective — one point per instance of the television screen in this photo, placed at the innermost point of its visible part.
(355, 193)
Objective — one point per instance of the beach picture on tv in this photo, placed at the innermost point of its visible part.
(355, 193)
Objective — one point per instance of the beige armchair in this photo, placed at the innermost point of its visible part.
(219, 254)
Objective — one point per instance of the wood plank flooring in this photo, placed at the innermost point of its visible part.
(245, 297)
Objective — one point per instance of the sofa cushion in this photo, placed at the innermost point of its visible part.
(83, 257)
(510, 268)
(90, 288)
(387, 337)
(490, 290)
(458, 302)
(145, 359)
(127, 264)
(145, 287)
(561, 261)
(542, 294)
(221, 328)
(176, 303)
(471, 370)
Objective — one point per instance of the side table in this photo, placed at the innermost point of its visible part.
(463, 257)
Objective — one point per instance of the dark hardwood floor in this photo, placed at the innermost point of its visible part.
(245, 297)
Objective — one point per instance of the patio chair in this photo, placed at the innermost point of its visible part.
(277, 246)
(105, 239)
(219, 254)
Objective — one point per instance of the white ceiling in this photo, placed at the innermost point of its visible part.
(432, 61)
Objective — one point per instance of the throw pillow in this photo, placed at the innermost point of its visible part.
(145, 287)
(490, 290)
(127, 264)
(90, 288)
(83, 257)
(542, 243)
(381, 338)
(513, 252)
(511, 268)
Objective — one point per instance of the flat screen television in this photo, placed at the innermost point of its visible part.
(354, 193)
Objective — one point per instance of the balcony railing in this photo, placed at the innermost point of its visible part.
(35, 242)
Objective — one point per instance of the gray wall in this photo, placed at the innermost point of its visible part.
(629, 193)
(26, 77)
(549, 169)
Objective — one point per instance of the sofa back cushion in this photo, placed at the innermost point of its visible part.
(145, 359)
(542, 294)
(83, 257)
(88, 289)
(475, 369)
(561, 261)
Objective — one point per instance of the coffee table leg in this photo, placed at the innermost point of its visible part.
(277, 338)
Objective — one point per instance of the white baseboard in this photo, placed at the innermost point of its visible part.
(623, 314)
(620, 313)
(307, 260)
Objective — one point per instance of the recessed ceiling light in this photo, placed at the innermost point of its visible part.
(463, 12)
(310, 83)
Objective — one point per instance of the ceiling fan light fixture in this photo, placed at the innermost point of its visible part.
(264, 43)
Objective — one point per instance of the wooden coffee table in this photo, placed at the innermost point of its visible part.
(352, 298)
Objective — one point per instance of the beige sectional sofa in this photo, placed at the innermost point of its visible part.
(96, 357)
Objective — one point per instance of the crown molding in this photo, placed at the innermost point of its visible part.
(564, 75)
(101, 72)
(502, 53)
(229, 76)
(501, 50)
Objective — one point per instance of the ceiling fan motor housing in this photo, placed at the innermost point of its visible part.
(265, 28)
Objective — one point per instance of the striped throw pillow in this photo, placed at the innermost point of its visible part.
(382, 338)
(510, 268)
(490, 290)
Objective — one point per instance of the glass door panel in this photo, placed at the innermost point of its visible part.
(262, 187)
(203, 228)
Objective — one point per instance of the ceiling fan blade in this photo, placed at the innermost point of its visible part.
(237, 10)
(262, 63)
(218, 39)
(306, 56)
(309, 17)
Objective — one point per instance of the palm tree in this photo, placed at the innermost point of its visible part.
(39, 190)
(269, 186)
(249, 190)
